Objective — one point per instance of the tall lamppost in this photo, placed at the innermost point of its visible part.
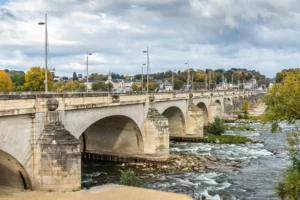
(173, 79)
(193, 82)
(148, 63)
(143, 76)
(188, 75)
(46, 53)
(87, 70)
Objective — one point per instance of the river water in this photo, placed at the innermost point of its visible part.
(264, 167)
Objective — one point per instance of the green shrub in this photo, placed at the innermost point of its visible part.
(217, 127)
(245, 106)
(239, 128)
(254, 117)
(228, 139)
(240, 116)
(290, 187)
(130, 178)
(246, 116)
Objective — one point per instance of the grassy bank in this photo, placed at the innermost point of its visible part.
(239, 128)
(228, 139)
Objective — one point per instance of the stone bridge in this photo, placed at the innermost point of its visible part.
(44, 136)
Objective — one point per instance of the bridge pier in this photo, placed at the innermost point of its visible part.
(156, 133)
(58, 158)
(194, 120)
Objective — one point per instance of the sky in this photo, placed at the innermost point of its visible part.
(260, 35)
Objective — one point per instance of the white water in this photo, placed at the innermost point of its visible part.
(266, 165)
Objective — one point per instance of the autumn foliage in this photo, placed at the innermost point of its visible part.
(34, 79)
(5, 82)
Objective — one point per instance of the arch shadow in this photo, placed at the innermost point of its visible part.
(204, 109)
(114, 134)
(176, 120)
(12, 173)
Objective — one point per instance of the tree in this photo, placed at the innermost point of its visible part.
(153, 86)
(282, 102)
(34, 79)
(5, 82)
(99, 86)
(58, 86)
(110, 86)
(75, 77)
(178, 84)
(74, 86)
(245, 106)
(200, 76)
(135, 87)
(217, 127)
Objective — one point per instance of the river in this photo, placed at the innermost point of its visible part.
(264, 165)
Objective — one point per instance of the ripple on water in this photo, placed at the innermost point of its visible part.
(193, 184)
(223, 151)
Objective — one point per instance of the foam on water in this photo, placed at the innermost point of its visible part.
(193, 184)
(224, 151)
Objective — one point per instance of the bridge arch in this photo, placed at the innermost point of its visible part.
(113, 135)
(218, 102)
(12, 173)
(78, 121)
(204, 109)
(176, 120)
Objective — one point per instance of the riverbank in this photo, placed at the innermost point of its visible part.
(107, 192)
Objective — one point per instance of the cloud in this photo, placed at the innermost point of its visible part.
(258, 35)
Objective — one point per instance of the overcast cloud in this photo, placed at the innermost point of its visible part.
(255, 34)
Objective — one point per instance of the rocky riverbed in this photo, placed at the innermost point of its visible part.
(188, 163)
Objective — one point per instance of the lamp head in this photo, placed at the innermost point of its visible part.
(41, 23)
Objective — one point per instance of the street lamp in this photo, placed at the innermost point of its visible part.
(46, 61)
(143, 76)
(148, 63)
(188, 77)
(173, 79)
(193, 82)
(87, 70)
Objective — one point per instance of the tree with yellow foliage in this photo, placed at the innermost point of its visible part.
(34, 79)
(282, 102)
(5, 82)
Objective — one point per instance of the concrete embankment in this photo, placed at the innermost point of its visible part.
(107, 192)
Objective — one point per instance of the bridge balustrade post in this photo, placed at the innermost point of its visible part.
(194, 120)
(58, 155)
(156, 132)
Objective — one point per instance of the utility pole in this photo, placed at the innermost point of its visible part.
(173, 79)
(192, 82)
(143, 76)
(188, 78)
(232, 81)
(148, 63)
(87, 70)
(188, 74)
(209, 79)
(46, 52)
(205, 81)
